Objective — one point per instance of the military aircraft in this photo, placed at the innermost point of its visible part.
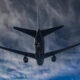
(39, 45)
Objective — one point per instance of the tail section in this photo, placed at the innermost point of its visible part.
(38, 18)
(27, 31)
(33, 32)
(30, 32)
(48, 31)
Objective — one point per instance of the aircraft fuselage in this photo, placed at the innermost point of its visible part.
(39, 47)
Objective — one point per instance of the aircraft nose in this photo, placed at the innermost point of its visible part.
(40, 62)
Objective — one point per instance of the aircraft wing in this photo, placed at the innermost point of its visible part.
(48, 31)
(19, 52)
(27, 31)
(59, 51)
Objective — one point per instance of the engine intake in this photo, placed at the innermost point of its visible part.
(25, 59)
(53, 58)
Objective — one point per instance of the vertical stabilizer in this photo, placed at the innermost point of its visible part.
(38, 18)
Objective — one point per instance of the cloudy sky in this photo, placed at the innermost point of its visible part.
(53, 13)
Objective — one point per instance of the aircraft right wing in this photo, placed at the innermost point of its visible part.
(19, 52)
(59, 51)
(27, 31)
(48, 31)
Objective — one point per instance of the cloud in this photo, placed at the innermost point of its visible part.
(17, 13)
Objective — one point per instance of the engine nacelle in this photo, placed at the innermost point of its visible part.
(25, 59)
(53, 58)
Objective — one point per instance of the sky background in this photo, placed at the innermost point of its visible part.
(53, 13)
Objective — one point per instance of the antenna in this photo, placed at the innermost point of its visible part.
(38, 20)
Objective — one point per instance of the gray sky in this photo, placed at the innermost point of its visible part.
(23, 13)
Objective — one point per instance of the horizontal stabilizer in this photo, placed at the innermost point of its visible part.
(59, 51)
(27, 31)
(48, 31)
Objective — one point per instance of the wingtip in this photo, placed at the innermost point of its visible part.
(78, 43)
(1, 47)
(62, 25)
(14, 27)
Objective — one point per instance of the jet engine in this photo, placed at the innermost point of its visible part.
(53, 58)
(25, 59)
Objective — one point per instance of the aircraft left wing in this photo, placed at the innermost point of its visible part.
(19, 52)
(59, 51)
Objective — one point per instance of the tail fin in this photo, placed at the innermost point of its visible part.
(29, 32)
(48, 31)
(38, 18)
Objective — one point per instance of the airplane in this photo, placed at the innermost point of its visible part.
(39, 45)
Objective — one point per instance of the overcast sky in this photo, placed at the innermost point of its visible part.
(53, 13)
